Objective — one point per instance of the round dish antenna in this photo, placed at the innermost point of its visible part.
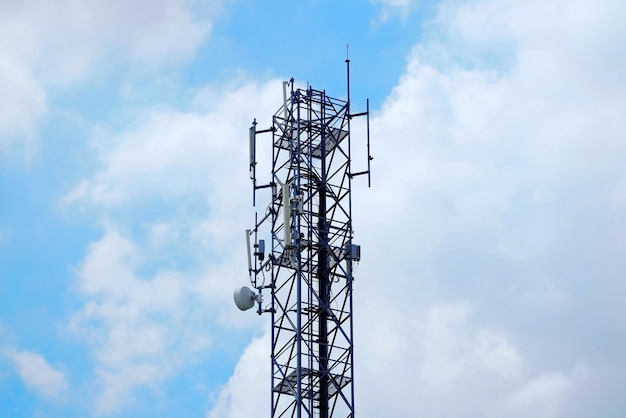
(245, 298)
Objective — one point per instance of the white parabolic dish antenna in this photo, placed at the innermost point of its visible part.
(245, 298)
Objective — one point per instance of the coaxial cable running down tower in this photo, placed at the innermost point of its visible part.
(308, 268)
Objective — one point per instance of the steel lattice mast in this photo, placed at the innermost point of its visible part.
(308, 270)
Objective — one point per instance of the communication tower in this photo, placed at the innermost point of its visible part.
(308, 268)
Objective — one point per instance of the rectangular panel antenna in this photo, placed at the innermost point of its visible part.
(286, 214)
(252, 146)
(249, 254)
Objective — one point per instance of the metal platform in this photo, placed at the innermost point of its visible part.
(287, 386)
(310, 139)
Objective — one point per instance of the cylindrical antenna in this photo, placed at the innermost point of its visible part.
(286, 214)
(248, 232)
(253, 145)
(285, 112)
(369, 155)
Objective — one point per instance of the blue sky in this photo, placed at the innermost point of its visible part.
(493, 243)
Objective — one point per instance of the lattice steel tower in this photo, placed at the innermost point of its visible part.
(309, 265)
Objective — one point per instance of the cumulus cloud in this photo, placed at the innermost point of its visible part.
(503, 171)
(143, 31)
(143, 317)
(38, 375)
(491, 271)
(144, 326)
(46, 44)
(394, 8)
(21, 107)
(138, 327)
(543, 396)
(245, 394)
(172, 153)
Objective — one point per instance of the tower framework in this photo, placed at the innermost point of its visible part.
(308, 270)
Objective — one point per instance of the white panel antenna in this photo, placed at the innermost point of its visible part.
(252, 146)
(287, 214)
(249, 253)
(285, 110)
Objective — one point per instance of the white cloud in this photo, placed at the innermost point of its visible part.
(497, 355)
(60, 41)
(494, 184)
(408, 355)
(541, 397)
(141, 330)
(46, 44)
(22, 105)
(548, 395)
(144, 328)
(246, 393)
(38, 375)
(145, 318)
(394, 8)
(171, 154)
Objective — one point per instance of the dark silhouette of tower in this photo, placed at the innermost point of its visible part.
(308, 265)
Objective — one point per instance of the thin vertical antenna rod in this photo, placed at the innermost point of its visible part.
(353, 115)
(252, 145)
(248, 233)
(348, 78)
(369, 155)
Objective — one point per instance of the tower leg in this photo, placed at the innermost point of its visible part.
(324, 294)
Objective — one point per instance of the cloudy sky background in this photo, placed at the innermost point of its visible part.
(493, 238)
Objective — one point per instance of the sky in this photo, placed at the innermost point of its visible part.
(492, 239)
